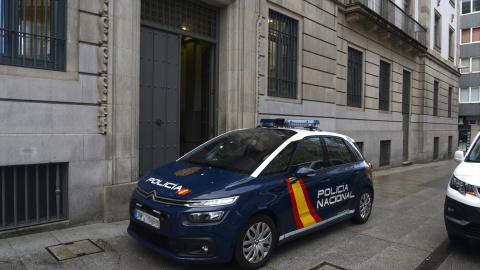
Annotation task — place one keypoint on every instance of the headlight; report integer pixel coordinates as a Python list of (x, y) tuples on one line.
[(461, 186), (205, 217), (214, 202)]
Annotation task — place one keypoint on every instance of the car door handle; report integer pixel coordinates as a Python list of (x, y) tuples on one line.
[(325, 181), (355, 173)]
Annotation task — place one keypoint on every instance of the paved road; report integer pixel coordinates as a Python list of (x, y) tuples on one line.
[(405, 231)]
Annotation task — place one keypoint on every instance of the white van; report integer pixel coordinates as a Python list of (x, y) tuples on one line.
[(462, 203)]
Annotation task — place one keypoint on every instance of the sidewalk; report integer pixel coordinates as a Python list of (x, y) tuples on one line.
[(405, 227)]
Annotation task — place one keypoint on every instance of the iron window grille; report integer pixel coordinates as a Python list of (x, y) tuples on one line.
[(32, 33), (435, 148), (449, 102), (435, 98), (354, 78), (384, 86), (33, 194), (282, 55), (450, 144), (384, 153), (181, 15)]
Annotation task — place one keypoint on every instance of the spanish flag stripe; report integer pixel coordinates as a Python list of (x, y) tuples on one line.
[(301, 199), (294, 206), (309, 203)]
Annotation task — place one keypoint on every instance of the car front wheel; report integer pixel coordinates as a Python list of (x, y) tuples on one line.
[(256, 242), (363, 208)]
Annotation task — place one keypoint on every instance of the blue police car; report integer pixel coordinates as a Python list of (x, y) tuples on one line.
[(243, 193)]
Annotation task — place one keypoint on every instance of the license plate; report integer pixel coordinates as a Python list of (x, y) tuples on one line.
[(147, 218)]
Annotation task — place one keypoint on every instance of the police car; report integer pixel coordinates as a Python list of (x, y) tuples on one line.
[(462, 202), (243, 193)]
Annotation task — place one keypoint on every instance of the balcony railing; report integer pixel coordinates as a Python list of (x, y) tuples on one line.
[(396, 16)]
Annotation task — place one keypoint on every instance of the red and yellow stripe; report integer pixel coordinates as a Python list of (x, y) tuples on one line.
[(303, 210), (183, 191)]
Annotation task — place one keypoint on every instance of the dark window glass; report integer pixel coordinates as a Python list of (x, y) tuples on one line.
[(310, 154), (280, 163), (466, 6), (32, 33), (435, 98), (354, 78), (240, 151), (338, 152), (474, 155), (282, 55), (384, 87)]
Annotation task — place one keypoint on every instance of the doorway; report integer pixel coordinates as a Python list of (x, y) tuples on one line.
[(197, 113), (177, 96)]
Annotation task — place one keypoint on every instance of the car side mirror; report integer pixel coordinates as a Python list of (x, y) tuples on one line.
[(459, 156), (304, 172)]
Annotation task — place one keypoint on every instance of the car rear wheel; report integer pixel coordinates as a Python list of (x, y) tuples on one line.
[(256, 242), (363, 208)]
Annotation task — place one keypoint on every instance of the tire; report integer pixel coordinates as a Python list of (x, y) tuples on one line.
[(457, 240), (256, 242), (363, 208)]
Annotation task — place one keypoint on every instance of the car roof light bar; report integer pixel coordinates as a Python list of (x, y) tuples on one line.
[(286, 123)]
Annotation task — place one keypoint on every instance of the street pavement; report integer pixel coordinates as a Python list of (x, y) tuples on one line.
[(405, 231)]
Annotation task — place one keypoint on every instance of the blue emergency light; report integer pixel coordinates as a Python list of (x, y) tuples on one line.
[(286, 123)]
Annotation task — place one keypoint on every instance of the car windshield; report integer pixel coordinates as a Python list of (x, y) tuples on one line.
[(474, 155), (240, 151)]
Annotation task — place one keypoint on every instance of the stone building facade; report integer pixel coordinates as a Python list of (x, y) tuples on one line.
[(143, 82)]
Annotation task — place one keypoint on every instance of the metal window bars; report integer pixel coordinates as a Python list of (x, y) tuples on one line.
[(181, 15), (32, 33), (33, 194), (354, 78), (282, 55)]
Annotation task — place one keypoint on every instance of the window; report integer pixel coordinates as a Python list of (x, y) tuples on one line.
[(450, 144), (310, 154), (338, 152), (435, 148), (354, 78), (435, 98), (280, 163), (384, 153), (470, 94), (282, 55), (450, 102), (384, 86), (451, 43), (437, 31), (470, 35), (469, 6), (465, 63), (32, 33)]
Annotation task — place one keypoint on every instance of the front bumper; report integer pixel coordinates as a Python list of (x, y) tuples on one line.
[(462, 220), (187, 243)]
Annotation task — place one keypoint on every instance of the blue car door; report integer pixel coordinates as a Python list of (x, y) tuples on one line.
[(343, 173)]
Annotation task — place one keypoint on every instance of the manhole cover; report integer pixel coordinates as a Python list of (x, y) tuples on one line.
[(73, 249)]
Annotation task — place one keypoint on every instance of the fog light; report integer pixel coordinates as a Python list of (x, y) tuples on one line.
[(205, 217), (205, 249), (449, 209)]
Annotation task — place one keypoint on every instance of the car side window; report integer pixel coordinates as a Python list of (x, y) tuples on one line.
[(338, 152), (281, 161), (310, 154)]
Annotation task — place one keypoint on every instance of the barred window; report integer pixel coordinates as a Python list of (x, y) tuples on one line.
[(384, 153), (282, 55), (354, 78), (384, 91), (32, 33), (450, 102), (435, 98)]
